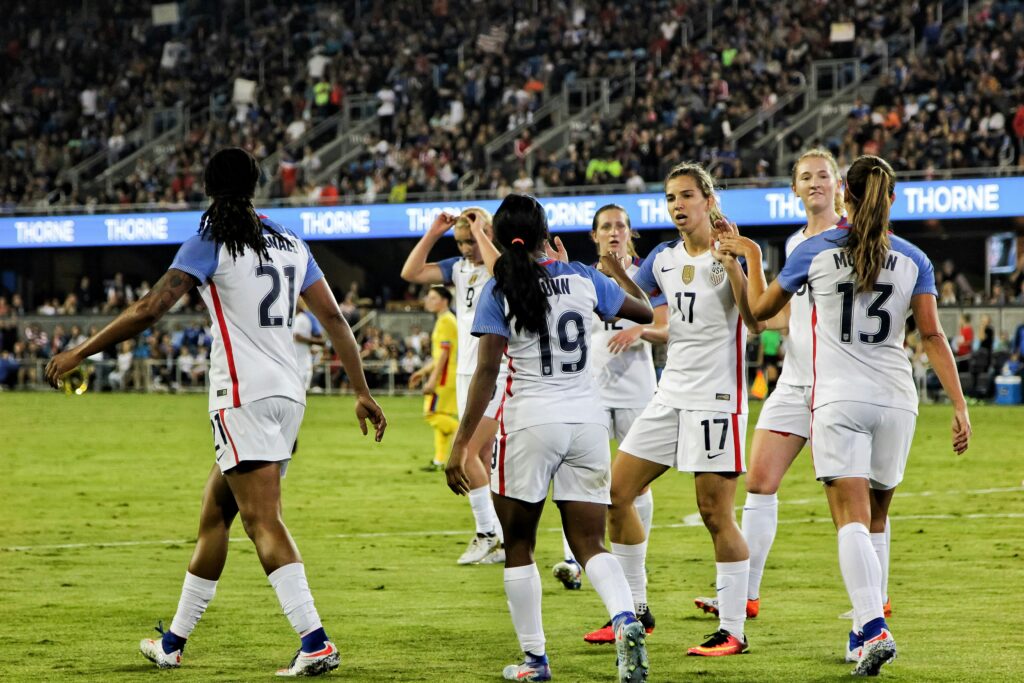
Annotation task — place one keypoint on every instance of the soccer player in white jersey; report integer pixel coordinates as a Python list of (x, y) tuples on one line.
[(306, 335), (551, 423), (468, 274), (784, 424), (623, 366), (250, 272), (863, 282), (696, 421)]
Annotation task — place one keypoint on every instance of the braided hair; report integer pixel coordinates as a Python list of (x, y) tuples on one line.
[(521, 227), (230, 177)]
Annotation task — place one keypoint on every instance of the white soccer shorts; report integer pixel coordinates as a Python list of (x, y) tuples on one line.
[(462, 383), (854, 439), (620, 420), (787, 410), (574, 459), (689, 440), (261, 431)]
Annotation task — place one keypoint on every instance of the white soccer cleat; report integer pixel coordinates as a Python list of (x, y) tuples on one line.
[(569, 573), (153, 650), (631, 652), (313, 663), (877, 651), (480, 548)]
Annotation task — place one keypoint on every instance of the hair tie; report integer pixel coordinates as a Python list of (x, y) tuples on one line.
[(518, 240)]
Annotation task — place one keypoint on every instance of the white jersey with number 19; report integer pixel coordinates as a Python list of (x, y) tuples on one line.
[(549, 378), (857, 337), (252, 304)]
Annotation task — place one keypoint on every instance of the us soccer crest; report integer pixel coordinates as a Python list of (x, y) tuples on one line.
[(717, 274), (688, 274)]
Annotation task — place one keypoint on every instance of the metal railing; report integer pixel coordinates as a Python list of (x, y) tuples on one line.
[(471, 194)]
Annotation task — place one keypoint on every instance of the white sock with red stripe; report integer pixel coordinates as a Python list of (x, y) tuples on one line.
[(760, 522), (483, 510), (523, 591), (196, 594), (861, 572), (606, 575), (296, 600), (644, 504), (731, 587), (632, 559)]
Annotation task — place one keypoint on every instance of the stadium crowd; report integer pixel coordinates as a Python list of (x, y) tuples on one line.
[(955, 100)]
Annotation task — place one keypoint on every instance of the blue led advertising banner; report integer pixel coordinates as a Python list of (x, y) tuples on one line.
[(967, 198)]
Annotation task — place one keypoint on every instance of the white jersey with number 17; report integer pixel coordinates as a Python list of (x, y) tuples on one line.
[(253, 308), (706, 364)]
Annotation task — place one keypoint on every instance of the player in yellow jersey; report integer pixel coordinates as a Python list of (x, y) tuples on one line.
[(439, 400)]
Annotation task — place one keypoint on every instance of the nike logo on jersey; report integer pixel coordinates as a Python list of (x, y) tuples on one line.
[(665, 270), (712, 457)]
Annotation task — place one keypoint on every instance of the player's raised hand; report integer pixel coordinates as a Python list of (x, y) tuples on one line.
[(60, 365), (624, 339), (722, 226), (737, 246), (442, 224), (455, 471), (367, 409), (612, 264), (961, 430), (557, 251)]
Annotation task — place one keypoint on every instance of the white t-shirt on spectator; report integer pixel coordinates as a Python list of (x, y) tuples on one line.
[(387, 99), (316, 65)]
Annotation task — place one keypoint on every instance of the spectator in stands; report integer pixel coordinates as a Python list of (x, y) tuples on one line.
[(965, 337)]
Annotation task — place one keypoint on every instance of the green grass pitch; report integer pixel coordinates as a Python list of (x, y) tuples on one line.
[(99, 499)]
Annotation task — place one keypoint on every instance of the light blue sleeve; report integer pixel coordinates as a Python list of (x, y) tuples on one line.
[(798, 265), (609, 295), (646, 279), (490, 314), (313, 272), (197, 257), (447, 267), (925, 283)]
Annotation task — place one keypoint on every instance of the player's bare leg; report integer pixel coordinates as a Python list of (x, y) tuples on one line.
[(218, 512)]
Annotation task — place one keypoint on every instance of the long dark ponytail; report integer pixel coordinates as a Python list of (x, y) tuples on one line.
[(870, 184), (230, 177), (521, 228)]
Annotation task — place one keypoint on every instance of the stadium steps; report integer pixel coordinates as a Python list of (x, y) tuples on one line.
[(351, 139), (830, 104)]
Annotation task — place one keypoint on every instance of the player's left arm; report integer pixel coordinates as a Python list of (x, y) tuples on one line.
[(488, 251), (738, 283), (140, 316), (481, 388)]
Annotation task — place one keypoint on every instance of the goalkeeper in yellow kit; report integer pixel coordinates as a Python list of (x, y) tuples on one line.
[(439, 402)]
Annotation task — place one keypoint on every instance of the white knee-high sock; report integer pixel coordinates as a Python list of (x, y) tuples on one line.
[(296, 600), (605, 573), (644, 504), (760, 521), (861, 573), (632, 559), (483, 510), (196, 594), (884, 560), (731, 585), (523, 592), (569, 557)]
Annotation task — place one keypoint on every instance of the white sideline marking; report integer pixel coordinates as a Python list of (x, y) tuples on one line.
[(692, 520)]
